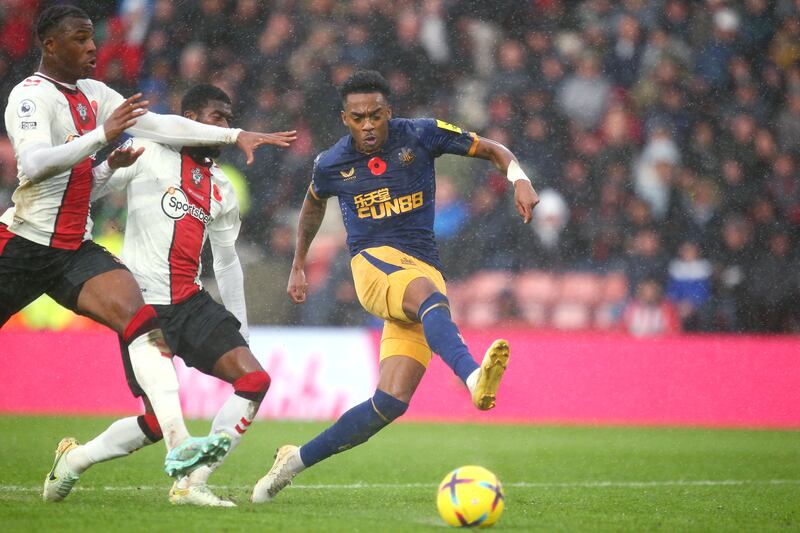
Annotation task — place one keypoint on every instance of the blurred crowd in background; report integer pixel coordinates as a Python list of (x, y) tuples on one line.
[(663, 138)]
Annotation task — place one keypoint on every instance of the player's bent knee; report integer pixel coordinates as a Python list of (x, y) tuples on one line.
[(143, 321), (387, 406), (113, 297), (434, 301), (417, 292), (252, 386), (149, 425)]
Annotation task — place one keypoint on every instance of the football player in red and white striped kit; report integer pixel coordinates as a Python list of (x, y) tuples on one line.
[(57, 119), (176, 199)]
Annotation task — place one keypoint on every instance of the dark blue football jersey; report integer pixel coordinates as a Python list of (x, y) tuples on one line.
[(387, 197)]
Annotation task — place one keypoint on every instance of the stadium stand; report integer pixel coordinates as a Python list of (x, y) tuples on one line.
[(647, 123)]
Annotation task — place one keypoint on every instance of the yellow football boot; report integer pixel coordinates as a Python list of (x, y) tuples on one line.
[(491, 372)]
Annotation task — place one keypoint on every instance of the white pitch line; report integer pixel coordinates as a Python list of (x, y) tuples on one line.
[(522, 484)]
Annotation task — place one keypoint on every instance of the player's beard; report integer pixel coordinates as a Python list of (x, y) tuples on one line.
[(201, 152)]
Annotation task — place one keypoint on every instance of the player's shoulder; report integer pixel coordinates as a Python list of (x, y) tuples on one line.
[(91, 85), (333, 155), (31, 87), (418, 127), (404, 125), (30, 98)]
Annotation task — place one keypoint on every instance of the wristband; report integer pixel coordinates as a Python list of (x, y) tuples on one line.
[(515, 173), (232, 135)]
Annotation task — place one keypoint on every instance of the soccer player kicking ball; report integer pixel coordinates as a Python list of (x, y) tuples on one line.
[(57, 119), (177, 197), (383, 174)]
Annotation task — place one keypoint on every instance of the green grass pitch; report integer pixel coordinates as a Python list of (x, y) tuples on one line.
[(555, 478)]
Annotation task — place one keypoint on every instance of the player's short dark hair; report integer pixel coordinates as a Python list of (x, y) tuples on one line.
[(365, 81), (197, 97), (51, 17)]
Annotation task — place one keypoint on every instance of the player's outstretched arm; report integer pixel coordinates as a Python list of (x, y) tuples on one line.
[(174, 130), (311, 216), (125, 116), (525, 196), (248, 141)]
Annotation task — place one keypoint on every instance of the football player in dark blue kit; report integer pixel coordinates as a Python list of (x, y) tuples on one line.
[(383, 176)]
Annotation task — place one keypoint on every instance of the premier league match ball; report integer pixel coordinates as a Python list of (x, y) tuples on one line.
[(470, 496)]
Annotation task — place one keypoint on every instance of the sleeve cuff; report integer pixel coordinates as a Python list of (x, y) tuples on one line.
[(474, 147), (311, 191)]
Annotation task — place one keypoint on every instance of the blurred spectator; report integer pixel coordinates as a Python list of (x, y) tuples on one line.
[(539, 148), (624, 56), (689, 287), (698, 213), (267, 301), (655, 121), (702, 154), (487, 237), (510, 78), (336, 302), (451, 210), (648, 314), (713, 55), (584, 95), (774, 290), (732, 262), (645, 258), (784, 185), (546, 240), (788, 123), (655, 172)]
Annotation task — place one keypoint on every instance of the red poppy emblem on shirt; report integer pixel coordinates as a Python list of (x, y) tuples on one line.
[(216, 193), (377, 166)]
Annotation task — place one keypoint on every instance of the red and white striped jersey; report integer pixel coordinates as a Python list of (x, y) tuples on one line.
[(174, 203), (55, 211)]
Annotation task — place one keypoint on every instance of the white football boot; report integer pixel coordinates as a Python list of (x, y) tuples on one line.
[(287, 465), (199, 495), (59, 481)]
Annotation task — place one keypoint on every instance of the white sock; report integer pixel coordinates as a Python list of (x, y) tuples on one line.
[(233, 418), (123, 437), (472, 379), (295, 463), (156, 376)]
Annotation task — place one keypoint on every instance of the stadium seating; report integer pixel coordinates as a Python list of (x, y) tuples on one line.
[(546, 300)]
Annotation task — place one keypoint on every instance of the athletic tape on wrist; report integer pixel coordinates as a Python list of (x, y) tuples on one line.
[(515, 173)]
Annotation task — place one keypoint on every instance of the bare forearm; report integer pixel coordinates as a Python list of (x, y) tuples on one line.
[(311, 216), (495, 152)]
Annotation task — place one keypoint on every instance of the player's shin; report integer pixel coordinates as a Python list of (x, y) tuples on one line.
[(235, 417), (151, 361), (443, 336), (122, 438), (354, 427)]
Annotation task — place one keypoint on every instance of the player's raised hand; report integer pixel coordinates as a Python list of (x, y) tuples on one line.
[(525, 198), (248, 141), (297, 287), (124, 156), (125, 116)]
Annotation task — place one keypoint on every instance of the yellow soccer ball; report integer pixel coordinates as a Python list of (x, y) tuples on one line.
[(470, 496)]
